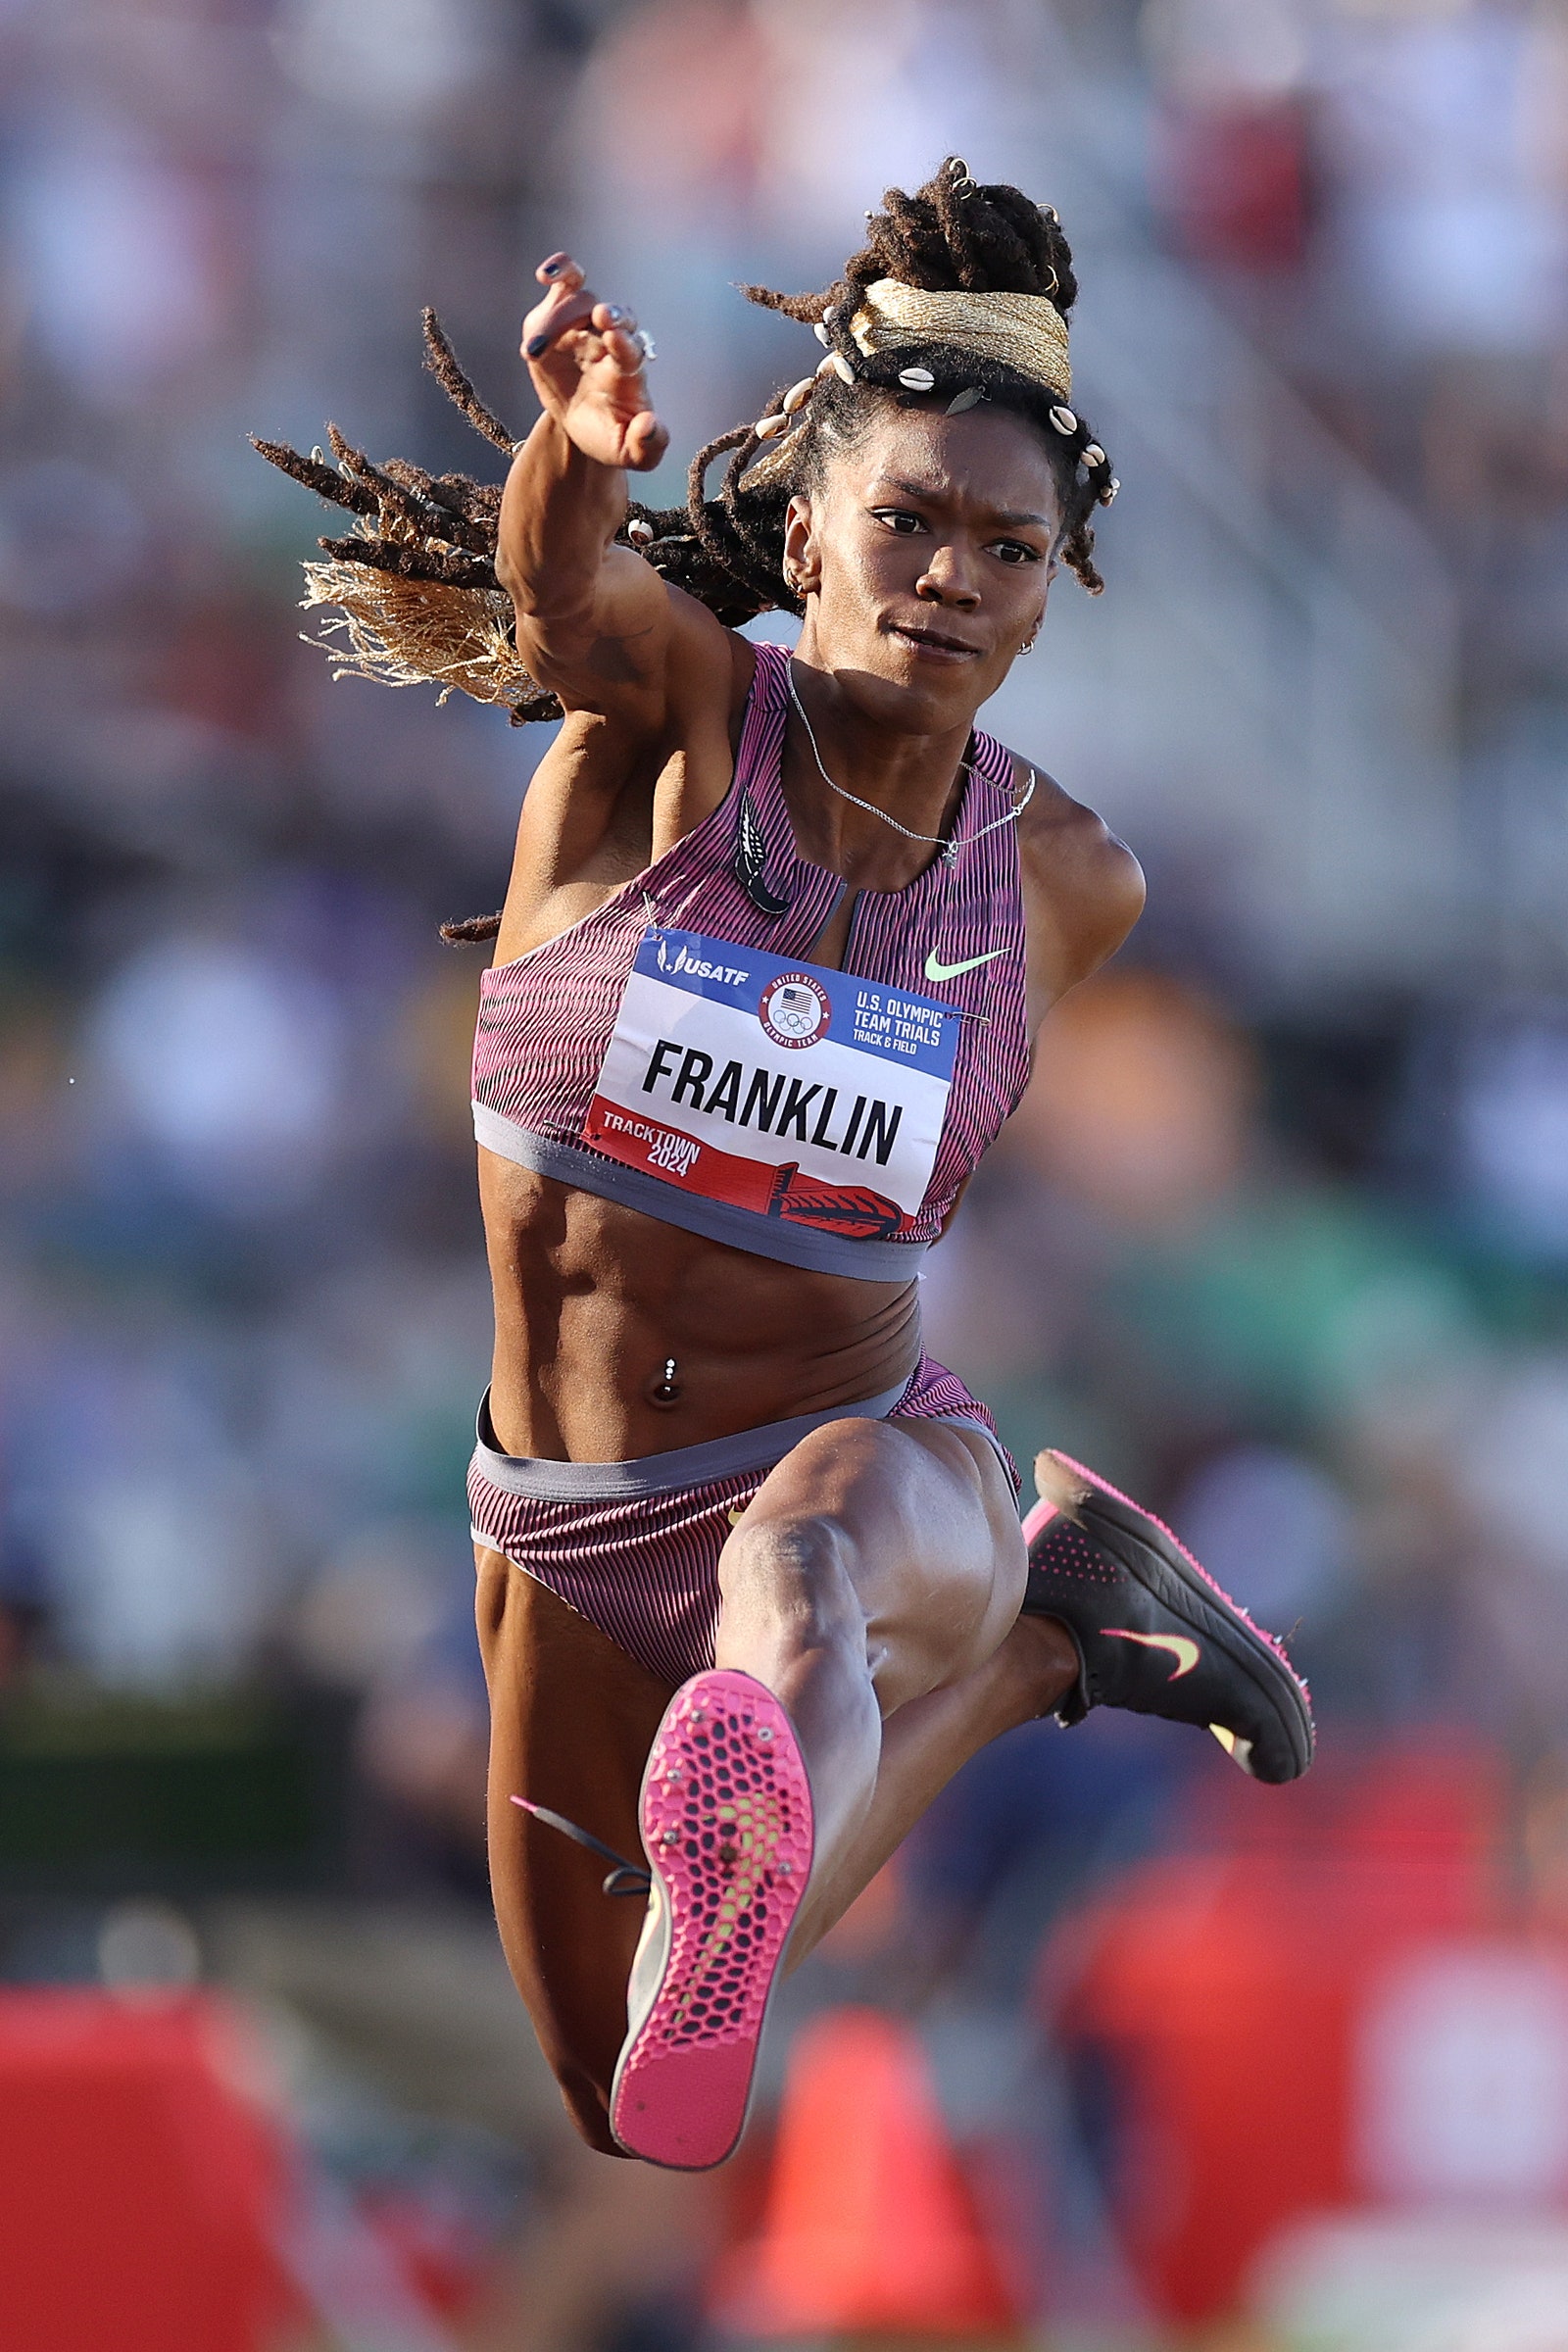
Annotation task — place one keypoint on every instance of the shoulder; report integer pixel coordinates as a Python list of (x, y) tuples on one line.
[(1083, 888)]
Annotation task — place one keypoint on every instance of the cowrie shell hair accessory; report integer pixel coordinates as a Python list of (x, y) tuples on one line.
[(841, 367), (766, 427), (1092, 453), (1064, 420), (1110, 491), (641, 531), (821, 333), (798, 395), (917, 380)]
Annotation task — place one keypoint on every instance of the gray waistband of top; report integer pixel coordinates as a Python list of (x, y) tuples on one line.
[(802, 1246), (738, 1456)]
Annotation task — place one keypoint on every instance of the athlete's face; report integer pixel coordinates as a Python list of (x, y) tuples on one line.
[(924, 559)]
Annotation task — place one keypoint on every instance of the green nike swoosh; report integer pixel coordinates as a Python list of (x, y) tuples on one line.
[(950, 971)]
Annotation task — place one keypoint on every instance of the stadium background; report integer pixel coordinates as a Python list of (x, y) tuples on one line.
[(1279, 1240)]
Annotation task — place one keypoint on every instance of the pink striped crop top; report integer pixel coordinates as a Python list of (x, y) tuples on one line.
[(676, 1051)]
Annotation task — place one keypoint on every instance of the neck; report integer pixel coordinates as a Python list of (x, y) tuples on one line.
[(918, 779)]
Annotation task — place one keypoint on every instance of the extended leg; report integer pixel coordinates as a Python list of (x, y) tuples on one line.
[(572, 1720)]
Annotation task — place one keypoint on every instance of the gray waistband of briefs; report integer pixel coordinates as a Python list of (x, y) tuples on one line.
[(792, 1244), (658, 1473)]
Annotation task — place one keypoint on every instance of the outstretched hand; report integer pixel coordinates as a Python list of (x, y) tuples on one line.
[(587, 362)]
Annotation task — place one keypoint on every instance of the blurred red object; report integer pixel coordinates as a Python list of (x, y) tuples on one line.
[(1232, 182), (140, 2185), (1214, 2007), (868, 2226)]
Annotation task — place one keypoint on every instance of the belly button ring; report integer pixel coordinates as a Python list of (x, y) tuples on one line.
[(668, 1389)]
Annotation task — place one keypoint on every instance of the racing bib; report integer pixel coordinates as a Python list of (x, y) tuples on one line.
[(783, 1088)]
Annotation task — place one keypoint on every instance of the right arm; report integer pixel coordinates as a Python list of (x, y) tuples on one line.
[(651, 682), (594, 623)]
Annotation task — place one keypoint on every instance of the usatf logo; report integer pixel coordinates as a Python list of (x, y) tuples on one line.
[(700, 969), (795, 1011)]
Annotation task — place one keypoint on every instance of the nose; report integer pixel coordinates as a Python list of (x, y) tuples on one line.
[(945, 581)]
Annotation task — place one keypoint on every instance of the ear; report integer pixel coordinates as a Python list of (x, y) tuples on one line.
[(802, 568)]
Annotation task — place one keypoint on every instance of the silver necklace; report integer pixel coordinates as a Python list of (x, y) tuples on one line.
[(947, 846)]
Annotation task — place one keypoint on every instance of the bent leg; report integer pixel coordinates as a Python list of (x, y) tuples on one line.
[(573, 1719), (878, 1574)]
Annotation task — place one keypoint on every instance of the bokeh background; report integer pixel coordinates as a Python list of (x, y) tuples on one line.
[(1279, 1239)]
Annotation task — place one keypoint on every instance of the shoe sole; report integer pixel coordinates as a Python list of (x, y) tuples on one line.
[(726, 1822), (1169, 1571)]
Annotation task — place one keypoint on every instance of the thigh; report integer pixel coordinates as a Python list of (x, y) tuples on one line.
[(919, 1520), (572, 1720)]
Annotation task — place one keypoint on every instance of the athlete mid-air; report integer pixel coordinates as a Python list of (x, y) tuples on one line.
[(779, 931)]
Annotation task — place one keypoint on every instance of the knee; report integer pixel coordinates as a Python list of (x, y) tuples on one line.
[(792, 1576)]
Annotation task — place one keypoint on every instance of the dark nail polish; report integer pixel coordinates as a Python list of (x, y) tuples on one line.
[(550, 269), (536, 344)]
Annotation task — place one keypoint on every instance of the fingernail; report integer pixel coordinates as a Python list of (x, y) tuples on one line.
[(535, 345), (550, 269)]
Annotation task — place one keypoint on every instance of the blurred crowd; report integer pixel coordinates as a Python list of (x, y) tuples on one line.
[(1279, 1242)]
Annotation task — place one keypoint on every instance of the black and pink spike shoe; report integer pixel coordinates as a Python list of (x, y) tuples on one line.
[(727, 1826), (1153, 1630)]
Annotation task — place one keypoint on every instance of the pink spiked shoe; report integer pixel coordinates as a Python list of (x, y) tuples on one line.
[(726, 1822)]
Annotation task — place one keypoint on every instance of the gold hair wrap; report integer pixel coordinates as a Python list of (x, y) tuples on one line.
[(1023, 331)]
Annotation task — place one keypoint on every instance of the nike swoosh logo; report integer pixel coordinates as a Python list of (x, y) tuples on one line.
[(1186, 1654), (950, 971)]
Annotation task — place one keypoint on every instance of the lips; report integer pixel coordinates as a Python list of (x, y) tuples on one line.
[(933, 641)]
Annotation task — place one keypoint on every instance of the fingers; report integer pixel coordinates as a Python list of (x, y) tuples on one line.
[(570, 304), (646, 442), (618, 330)]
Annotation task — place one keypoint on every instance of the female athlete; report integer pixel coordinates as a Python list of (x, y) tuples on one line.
[(778, 933)]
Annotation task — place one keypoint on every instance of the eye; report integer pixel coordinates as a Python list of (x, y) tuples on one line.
[(900, 519), (1014, 551)]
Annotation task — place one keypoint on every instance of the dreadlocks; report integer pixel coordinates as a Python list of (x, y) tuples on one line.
[(414, 583)]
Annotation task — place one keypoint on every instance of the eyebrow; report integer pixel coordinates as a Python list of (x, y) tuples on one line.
[(998, 515)]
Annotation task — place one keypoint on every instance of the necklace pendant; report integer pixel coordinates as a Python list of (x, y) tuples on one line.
[(950, 851)]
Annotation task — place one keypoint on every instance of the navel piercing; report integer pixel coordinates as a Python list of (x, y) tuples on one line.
[(668, 1388)]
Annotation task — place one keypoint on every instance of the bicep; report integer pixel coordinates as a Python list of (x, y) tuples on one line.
[(607, 654)]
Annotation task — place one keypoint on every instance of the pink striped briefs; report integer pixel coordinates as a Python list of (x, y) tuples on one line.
[(634, 1547)]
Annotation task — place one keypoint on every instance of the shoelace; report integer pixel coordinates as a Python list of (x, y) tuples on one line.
[(627, 1878)]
